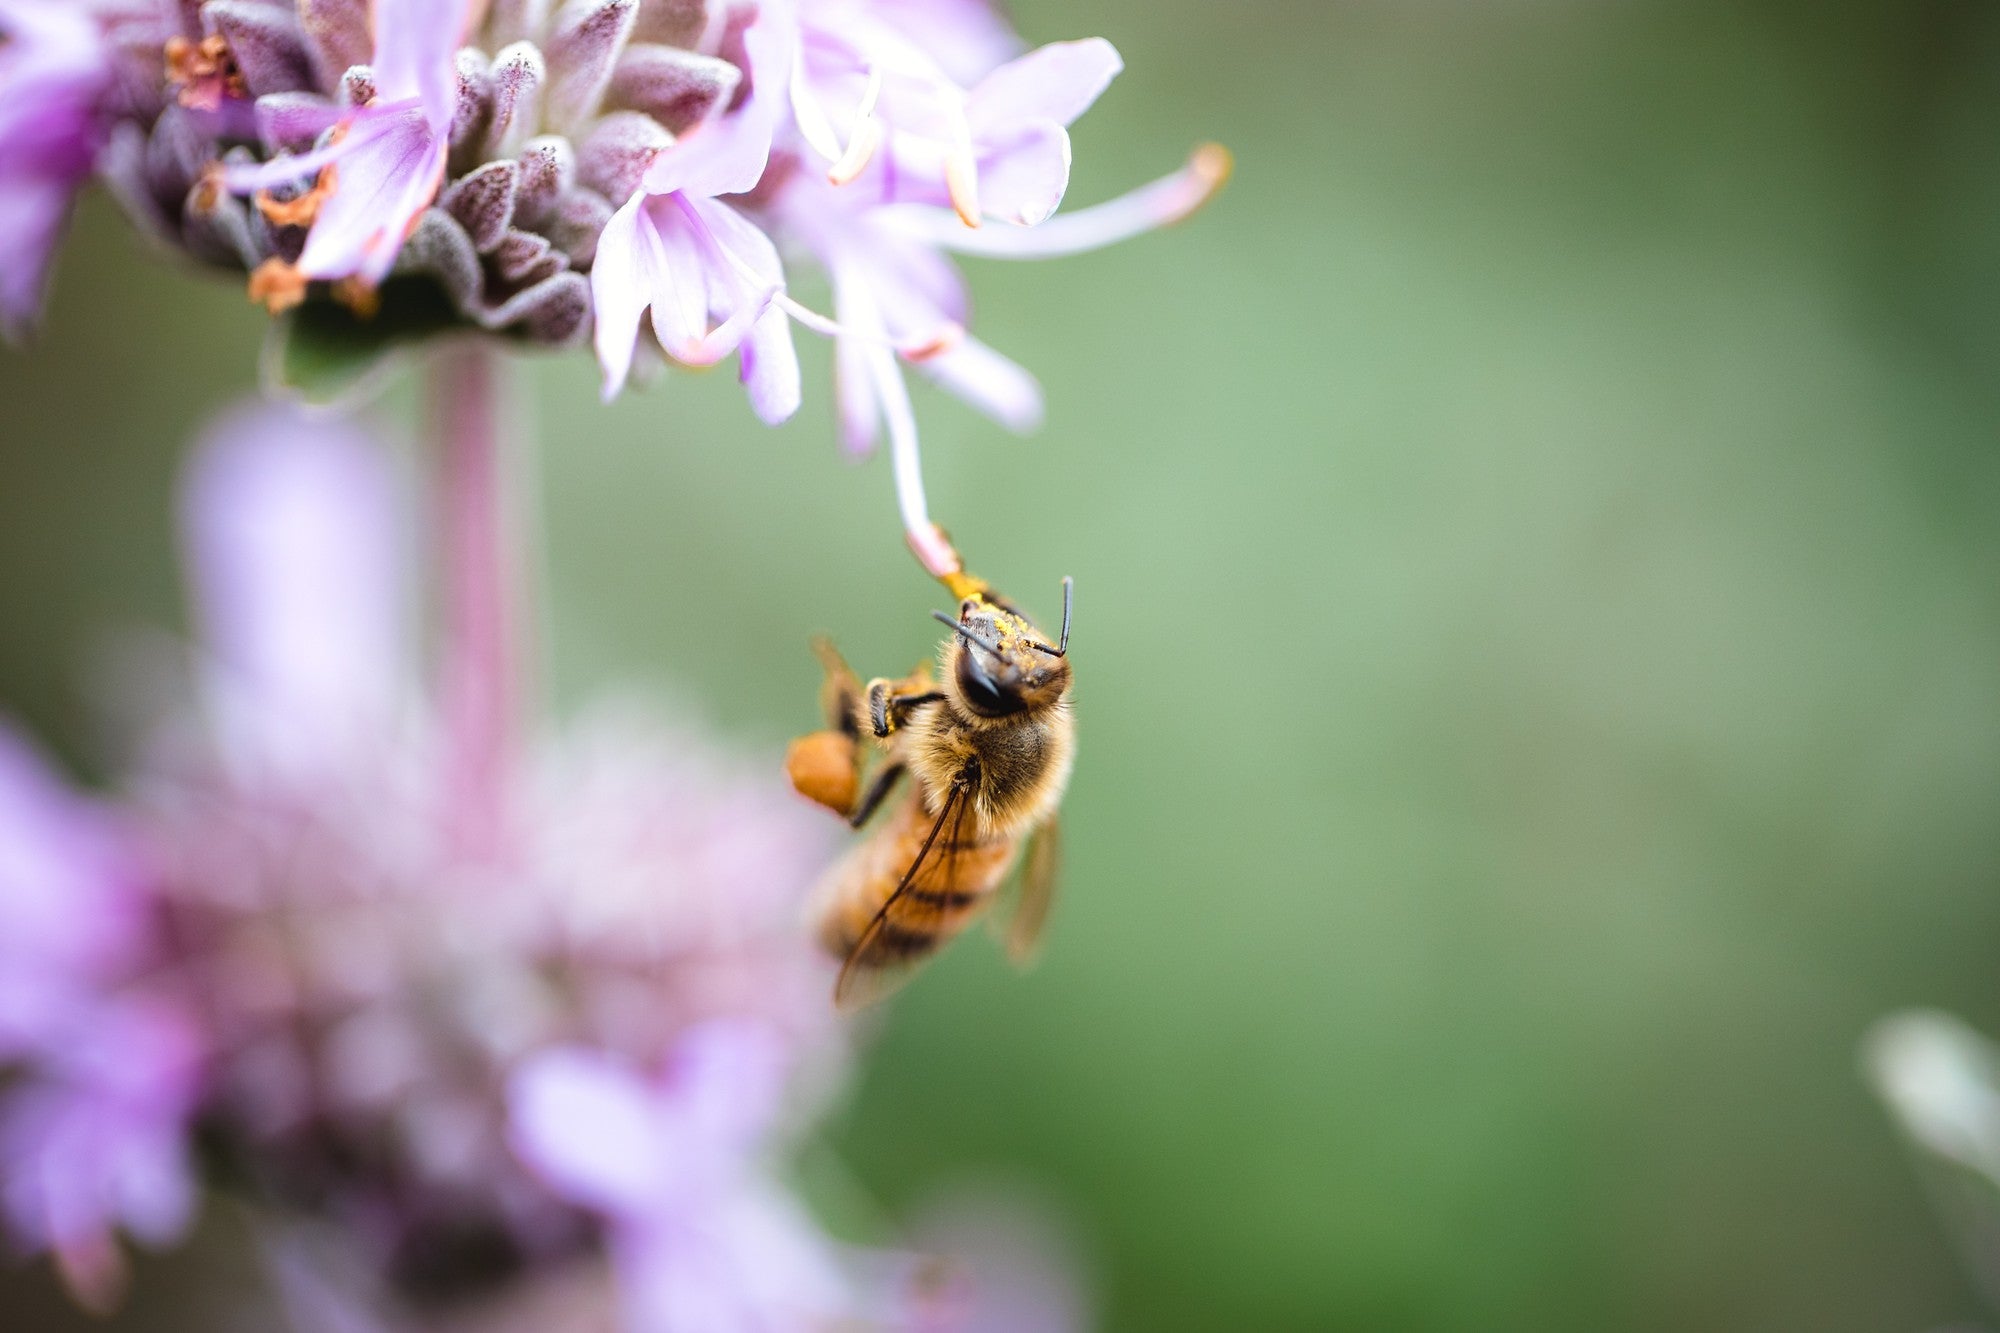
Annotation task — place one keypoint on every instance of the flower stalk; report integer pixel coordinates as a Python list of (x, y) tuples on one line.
[(480, 567)]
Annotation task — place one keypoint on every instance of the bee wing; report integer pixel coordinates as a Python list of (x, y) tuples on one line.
[(1020, 928), (885, 956)]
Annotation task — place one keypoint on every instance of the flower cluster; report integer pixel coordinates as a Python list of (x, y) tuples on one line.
[(582, 1039), (563, 171)]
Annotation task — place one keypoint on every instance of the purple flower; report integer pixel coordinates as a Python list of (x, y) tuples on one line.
[(92, 1138), (888, 115), (96, 1139), (281, 935), (708, 275), (893, 288), (703, 1240), (593, 166), (381, 165), (54, 69), (71, 886)]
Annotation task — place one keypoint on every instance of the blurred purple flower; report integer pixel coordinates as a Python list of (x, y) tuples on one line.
[(702, 1239), (54, 69), (999, 1260), (94, 1139), (71, 899), (292, 948)]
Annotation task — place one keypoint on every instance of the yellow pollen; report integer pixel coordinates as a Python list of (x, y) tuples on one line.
[(947, 337), (301, 211), (278, 284), (1212, 165), (204, 72), (860, 150), (961, 181), (208, 190)]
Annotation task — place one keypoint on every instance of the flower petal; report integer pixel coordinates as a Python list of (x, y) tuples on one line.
[(414, 44), (770, 368), (727, 154), (592, 1128), (990, 382), (381, 188), (967, 38), (1056, 82), (620, 289), (290, 532), (32, 219), (69, 898), (1024, 182), (1166, 200), (678, 279)]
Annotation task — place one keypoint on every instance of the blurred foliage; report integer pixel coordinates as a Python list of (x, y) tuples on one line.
[(1537, 629)]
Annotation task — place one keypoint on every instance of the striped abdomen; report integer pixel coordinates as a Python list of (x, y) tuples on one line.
[(955, 885)]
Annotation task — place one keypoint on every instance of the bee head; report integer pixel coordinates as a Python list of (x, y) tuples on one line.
[(998, 664)]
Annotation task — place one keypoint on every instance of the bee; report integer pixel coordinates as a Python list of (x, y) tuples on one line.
[(986, 746)]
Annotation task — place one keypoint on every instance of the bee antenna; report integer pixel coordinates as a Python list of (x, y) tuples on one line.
[(1069, 585), (990, 645)]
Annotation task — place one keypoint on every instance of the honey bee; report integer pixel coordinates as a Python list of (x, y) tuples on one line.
[(987, 747)]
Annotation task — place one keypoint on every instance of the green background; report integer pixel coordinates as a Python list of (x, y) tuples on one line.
[(1538, 642)]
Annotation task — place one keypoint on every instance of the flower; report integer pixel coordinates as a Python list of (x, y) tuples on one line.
[(676, 248), (54, 69), (562, 172), (894, 288), (702, 1238), (96, 1139), (913, 133), (381, 162), (278, 940)]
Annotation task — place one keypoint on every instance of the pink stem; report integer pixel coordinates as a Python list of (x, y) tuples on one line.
[(481, 682)]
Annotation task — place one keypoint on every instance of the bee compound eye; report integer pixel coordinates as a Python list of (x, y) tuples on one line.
[(982, 693)]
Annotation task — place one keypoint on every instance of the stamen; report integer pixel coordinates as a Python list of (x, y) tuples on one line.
[(961, 170), (942, 339), (278, 284), (925, 538), (949, 335), (1164, 202), (867, 135), (301, 211), (204, 72), (939, 341), (810, 116), (860, 151), (358, 295)]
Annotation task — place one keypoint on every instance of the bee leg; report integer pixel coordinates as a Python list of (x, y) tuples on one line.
[(825, 766), (887, 709), (878, 791), (840, 692)]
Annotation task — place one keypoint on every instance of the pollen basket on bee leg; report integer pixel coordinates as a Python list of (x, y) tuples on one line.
[(822, 768)]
